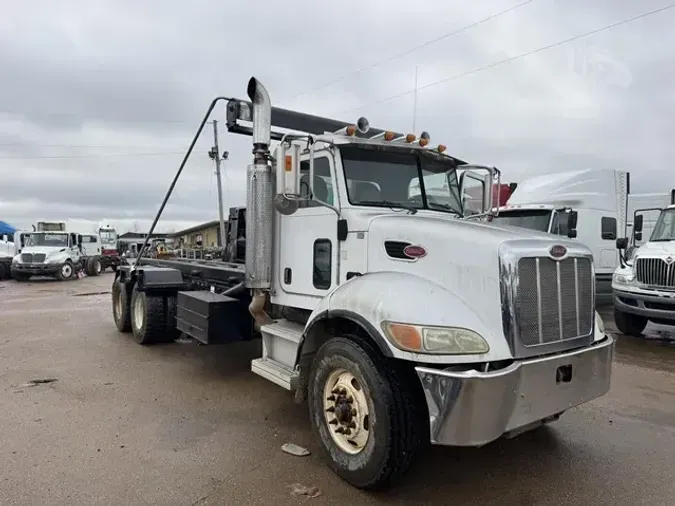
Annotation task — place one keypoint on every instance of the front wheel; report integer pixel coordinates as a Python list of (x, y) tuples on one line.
[(629, 324), (365, 411), (65, 272)]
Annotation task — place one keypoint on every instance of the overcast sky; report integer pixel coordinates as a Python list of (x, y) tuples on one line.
[(99, 99)]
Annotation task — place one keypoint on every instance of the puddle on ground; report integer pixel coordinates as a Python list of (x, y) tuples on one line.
[(654, 350)]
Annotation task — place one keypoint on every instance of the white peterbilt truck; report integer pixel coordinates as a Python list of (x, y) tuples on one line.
[(644, 284), (398, 319)]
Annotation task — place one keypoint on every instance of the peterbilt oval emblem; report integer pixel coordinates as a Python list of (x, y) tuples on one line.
[(414, 251), (557, 251)]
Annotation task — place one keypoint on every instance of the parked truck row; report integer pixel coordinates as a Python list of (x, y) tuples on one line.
[(398, 316), (51, 250)]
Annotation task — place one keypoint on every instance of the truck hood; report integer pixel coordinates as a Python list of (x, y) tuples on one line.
[(461, 255), (656, 249), (43, 249)]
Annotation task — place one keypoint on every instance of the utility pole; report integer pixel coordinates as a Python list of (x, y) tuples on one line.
[(214, 154)]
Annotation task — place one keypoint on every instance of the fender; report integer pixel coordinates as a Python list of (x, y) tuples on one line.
[(372, 299)]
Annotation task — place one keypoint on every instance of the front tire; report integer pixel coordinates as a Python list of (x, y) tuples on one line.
[(629, 324), (65, 272), (365, 411), (21, 276)]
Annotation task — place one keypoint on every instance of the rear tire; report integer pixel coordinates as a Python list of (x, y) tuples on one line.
[(148, 318), (629, 324), (93, 266), (385, 416), (121, 306)]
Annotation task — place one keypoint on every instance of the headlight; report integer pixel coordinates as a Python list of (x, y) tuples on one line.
[(436, 340), (623, 279), (599, 322)]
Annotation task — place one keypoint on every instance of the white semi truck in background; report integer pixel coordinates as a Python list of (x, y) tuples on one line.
[(589, 206), (53, 251), (398, 318), (644, 284)]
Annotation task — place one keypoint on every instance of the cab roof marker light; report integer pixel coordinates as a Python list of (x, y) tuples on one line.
[(362, 126), (441, 148)]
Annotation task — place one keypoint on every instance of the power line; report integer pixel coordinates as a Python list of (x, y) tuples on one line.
[(77, 146), (512, 58), (412, 49), (102, 155)]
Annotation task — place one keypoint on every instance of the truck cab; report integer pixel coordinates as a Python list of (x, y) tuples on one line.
[(644, 283), (589, 206), (48, 253)]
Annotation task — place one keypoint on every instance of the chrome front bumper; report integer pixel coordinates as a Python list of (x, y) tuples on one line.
[(471, 408)]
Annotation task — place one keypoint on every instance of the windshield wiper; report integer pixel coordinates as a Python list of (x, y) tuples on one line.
[(447, 207), (388, 203)]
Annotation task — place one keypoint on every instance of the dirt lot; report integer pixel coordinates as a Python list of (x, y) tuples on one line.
[(178, 424)]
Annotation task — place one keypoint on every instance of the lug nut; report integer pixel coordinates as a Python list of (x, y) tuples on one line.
[(331, 409), (347, 432), (335, 391), (339, 430), (351, 425), (350, 399), (331, 398), (333, 421)]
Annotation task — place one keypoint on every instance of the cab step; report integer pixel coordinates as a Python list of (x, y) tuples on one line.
[(280, 343)]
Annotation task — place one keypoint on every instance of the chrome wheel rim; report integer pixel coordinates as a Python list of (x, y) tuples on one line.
[(66, 271)]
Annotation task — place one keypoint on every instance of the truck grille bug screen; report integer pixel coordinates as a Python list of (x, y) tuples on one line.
[(554, 300), (655, 272)]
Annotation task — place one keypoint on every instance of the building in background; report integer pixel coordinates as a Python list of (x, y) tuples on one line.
[(205, 235)]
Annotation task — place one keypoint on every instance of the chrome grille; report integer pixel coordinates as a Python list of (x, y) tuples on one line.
[(655, 272), (27, 257), (554, 300), (39, 257)]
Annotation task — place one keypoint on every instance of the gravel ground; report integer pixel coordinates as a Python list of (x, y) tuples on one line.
[(121, 424)]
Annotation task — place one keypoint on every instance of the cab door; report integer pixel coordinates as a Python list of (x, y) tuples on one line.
[(307, 239)]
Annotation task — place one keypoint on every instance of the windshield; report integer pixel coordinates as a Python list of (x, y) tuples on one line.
[(108, 236), (533, 219), (55, 240), (664, 230), (394, 179)]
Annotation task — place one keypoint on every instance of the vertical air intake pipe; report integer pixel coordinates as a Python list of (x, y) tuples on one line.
[(259, 204)]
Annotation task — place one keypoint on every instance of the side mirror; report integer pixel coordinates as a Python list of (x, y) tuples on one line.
[(79, 240), (638, 236), (287, 167), (572, 224), (5, 238), (637, 225), (622, 243)]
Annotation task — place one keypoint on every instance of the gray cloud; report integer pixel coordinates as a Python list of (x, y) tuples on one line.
[(88, 85)]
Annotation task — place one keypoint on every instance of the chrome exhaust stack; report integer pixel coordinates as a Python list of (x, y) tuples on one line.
[(259, 205)]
